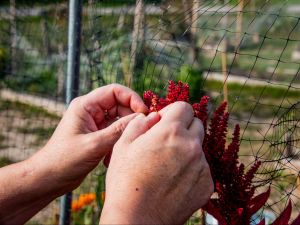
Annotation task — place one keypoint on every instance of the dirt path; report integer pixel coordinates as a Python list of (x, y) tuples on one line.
[(45, 103)]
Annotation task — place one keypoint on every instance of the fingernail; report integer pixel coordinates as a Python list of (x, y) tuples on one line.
[(140, 115)]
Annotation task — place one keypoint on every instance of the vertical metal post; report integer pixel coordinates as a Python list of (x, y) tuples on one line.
[(74, 36)]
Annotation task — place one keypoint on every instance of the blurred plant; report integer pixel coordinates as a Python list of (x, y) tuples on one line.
[(234, 190), (195, 80), (3, 62), (84, 209), (100, 191), (42, 82), (84, 200)]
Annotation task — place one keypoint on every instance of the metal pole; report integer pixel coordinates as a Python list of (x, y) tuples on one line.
[(74, 35)]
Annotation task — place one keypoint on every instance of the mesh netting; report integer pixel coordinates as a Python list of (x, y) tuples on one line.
[(245, 52)]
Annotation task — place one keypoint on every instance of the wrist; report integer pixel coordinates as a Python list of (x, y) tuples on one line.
[(129, 212), (26, 187), (48, 175)]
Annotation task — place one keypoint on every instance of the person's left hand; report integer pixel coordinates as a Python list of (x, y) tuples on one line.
[(87, 132)]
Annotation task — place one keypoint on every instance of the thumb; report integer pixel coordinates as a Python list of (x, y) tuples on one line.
[(138, 126), (107, 137)]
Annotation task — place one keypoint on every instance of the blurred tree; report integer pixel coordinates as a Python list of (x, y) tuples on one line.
[(191, 14), (195, 51), (138, 36), (45, 30)]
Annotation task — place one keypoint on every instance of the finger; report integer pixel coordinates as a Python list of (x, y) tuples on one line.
[(106, 97), (178, 111), (120, 111), (107, 158), (103, 140), (140, 125), (116, 110), (197, 129), (136, 128)]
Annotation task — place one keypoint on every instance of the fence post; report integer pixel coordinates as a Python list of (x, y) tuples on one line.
[(72, 86)]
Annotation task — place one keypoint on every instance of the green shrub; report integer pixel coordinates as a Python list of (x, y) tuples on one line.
[(43, 83), (3, 62), (195, 80)]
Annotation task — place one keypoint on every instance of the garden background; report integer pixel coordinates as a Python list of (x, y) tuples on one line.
[(246, 52)]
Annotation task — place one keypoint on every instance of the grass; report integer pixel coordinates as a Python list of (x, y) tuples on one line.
[(270, 92), (263, 101), (247, 61)]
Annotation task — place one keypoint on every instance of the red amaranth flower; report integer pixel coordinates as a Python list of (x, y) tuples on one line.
[(236, 202), (200, 110)]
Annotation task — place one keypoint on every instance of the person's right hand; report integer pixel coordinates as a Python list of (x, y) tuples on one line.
[(158, 172)]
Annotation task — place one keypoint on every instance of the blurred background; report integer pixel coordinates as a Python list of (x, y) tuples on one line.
[(246, 52)]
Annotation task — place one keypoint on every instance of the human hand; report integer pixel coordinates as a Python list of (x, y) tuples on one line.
[(87, 132), (158, 172)]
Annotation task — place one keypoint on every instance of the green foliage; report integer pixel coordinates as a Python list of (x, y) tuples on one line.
[(195, 80), (148, 77), (100, 190), (243, 99), (42, 83), (84, 216), (154, 77), (3, 62), (270, 92)]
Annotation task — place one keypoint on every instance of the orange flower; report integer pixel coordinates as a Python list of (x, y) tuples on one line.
[(83, 200), (75, 206), (91, 197)]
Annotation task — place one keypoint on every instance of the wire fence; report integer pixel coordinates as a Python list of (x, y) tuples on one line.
[(245, 52)]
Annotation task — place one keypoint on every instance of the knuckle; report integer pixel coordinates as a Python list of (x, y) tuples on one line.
[(195, 148), (119, 128), (116, 87), (195, 144), (75, 101), (175, 129), (113, 85), (183, 106)]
